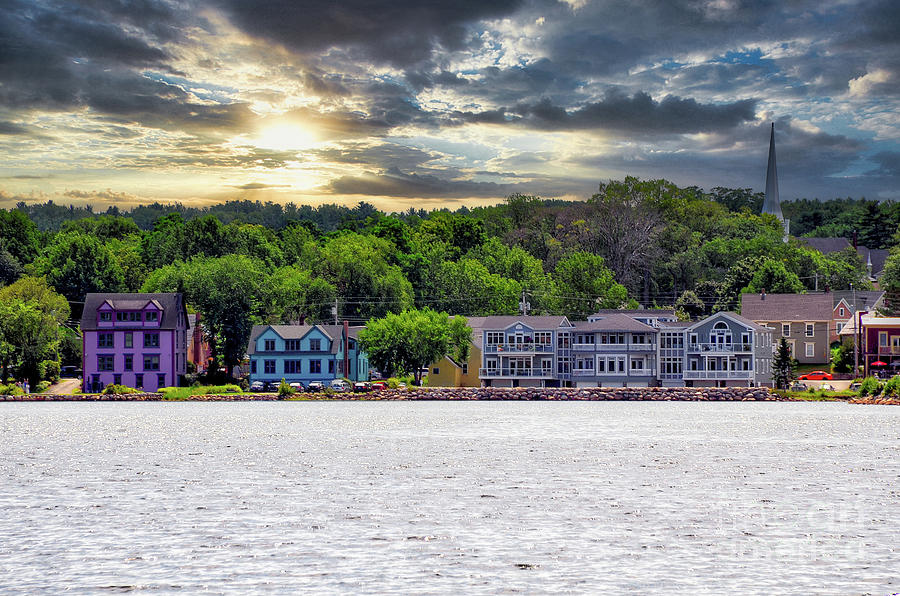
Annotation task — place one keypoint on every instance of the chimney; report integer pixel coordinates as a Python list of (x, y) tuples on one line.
[(762, 295)]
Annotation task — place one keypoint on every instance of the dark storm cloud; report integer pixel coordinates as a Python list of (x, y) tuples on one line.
[(639, 113), (11, 128), (888, 164), (394, 183), (396, 32), (260, 186), (383, 156)]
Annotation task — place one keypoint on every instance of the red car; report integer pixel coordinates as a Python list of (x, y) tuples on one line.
[(816, 375)]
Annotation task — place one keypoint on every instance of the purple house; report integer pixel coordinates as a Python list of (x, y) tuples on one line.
[(138, 340)]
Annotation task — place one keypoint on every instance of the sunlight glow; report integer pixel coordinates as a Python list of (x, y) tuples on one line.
[(284, 137)]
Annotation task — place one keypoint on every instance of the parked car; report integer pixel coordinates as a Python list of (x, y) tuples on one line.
[(315, 386), (296, 386), (361, 387), (816, 375), (71, 372), (797, 386), (339, 386), (272, 385), (257, 386), (378, 385), (855, 386)]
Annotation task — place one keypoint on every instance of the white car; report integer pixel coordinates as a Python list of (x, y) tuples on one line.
[(339, 386)]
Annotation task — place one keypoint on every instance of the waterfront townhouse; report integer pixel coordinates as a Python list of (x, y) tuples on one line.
[(447, 372), (727, 350), (306, 353), (525, 351), (616, 350), (805, 320), (138, 340)]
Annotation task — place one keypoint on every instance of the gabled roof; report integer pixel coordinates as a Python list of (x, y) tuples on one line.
[(634, 312), (170, 304), (542, 322), (734, 317), (865, 299), (827, 245), (787, 307), (332, 332), (617, 322)]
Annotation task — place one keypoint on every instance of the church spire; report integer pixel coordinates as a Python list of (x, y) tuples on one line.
[(772, 202)]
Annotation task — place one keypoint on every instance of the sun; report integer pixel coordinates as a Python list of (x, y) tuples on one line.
[(284, 137)]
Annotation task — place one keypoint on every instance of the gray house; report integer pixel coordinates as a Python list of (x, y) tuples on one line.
[(522, 351), (804, 320), (727, 350)]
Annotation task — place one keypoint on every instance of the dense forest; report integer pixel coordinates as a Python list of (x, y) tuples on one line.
[(239, 263)]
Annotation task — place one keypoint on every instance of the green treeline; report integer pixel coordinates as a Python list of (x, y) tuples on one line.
[(635, 241)]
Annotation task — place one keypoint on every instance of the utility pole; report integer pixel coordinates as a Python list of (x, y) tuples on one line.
[(524, 305), (855, 336), (334, 311)]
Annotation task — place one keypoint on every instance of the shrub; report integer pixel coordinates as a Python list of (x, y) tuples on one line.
[(50, 370), (11, 389), (870, 386), (284, 389), (892, 387), (42, 386), (114, 389)]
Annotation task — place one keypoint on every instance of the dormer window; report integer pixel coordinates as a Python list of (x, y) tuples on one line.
[(128, 317), (151, 316), (106, 317)]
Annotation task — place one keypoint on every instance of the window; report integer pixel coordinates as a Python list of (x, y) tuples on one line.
[(269, 367), (117, 379), (435, 371), (292, 345), (882, 339), (106, 317), (253, 367), (585, 339), (601, 365), (270, 345), (315, 366), (293, 367), (331, 367), (692, 338), (151, 340), (104, 362), (315, 345), (465, 368), (810, 330), (151, 362), (129, 362), (842, 312), (128, 317), (639, 338), (745, 338), (104, 340), (810, 349), (151, 317), (637, 364), (839, 327), (139, 381), (494, 337), (129, 340), (745, 364), (785, 329), (543, 337), (695, 364)]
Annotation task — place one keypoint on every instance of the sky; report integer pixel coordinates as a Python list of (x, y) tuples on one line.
[(430, 104)]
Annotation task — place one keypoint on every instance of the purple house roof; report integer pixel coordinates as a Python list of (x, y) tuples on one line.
[(170, 304)]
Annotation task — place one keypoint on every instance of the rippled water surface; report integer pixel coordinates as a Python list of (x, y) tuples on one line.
[(441, 497)]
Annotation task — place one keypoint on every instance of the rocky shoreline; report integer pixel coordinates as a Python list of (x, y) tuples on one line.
[(876, 401), (462, 394)]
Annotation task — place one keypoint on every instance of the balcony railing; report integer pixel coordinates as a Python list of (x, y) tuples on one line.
[(519, 348), (647, 347), (515, 372), (718, 374), (734, 347), (649, 372), (889, 350)]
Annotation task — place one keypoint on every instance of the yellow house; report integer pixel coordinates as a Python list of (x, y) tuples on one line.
[(448, 373)]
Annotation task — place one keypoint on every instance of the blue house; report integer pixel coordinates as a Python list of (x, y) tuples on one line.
[(305, 353)]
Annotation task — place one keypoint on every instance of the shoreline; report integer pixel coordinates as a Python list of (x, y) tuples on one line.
[(455, 394)]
